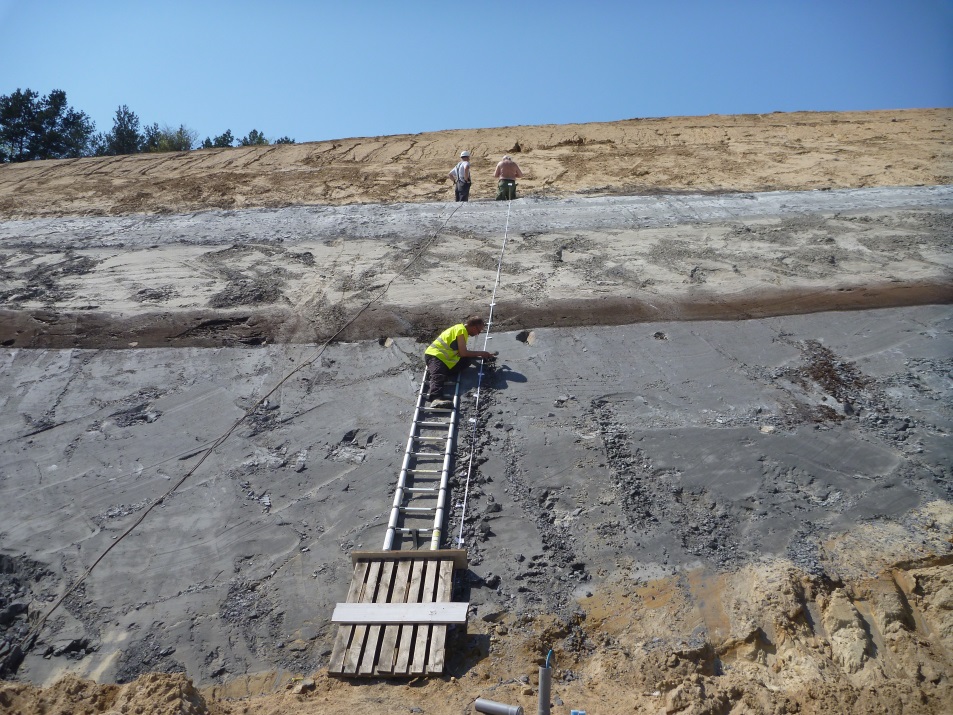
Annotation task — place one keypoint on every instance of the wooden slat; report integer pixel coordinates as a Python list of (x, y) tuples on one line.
[(368, 660), (385, 663), (438, 634), (459, 556), (343, 638), (353, 658), (408, 634), (382, 614), (396, 617), (419, 665)]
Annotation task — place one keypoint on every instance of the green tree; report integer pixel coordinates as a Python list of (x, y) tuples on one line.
[(219, 142), (284, 140), (34, 127), (61, 131), (124, 138), (151, 135), (17, 117), (254, 138), (167, 138), (99, 145)]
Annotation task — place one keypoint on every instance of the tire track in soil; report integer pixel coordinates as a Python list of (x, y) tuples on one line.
[(655, 502), (549, 592)]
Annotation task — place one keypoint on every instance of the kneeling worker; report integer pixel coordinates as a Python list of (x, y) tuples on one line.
[(448, 354), (507, 171)]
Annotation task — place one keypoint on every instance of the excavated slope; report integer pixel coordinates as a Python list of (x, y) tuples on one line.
[(702, 493)]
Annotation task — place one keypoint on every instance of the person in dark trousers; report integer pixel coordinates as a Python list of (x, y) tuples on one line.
[(461, 178), (448, 354), (507, 171)]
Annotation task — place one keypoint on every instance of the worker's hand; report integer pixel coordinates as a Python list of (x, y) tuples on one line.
[(490, 356)]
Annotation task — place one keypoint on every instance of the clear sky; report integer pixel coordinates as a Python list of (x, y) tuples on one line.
[(323, 70)]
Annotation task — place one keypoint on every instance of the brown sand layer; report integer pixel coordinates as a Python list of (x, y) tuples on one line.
[(94, 330), (755, 152)]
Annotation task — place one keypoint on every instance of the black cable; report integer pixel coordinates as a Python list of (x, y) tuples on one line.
[(27, 642)]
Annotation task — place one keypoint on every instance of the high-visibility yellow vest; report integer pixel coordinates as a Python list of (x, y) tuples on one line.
[(445, 346)]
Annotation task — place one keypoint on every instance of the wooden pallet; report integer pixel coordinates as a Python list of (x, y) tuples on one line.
[(406, 646)]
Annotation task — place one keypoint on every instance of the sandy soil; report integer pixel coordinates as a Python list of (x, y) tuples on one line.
[(302, 274), (713, 464), (764, 152)]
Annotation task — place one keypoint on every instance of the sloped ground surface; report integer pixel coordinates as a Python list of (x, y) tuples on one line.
[(303, 274), (731, 509), (704, 495), (764, 152)]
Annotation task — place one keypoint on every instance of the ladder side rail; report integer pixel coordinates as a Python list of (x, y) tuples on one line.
[(402, 479), (445, 472)]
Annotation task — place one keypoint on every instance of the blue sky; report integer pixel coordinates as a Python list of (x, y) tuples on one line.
[(323, 70)]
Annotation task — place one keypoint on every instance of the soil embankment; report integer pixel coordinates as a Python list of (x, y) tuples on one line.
[(800, 151), (712, 465), (304, 274)]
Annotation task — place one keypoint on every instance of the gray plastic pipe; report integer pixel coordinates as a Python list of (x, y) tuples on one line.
[(545, 686), (494, 708)]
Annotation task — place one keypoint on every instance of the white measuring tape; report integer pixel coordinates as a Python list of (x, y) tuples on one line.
[(476, 406)]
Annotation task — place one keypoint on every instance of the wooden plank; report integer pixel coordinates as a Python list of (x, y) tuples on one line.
[(343, 638), (408, 634), (385, 663), (353, 658), (459, 556), (419, 665), (438, 634), (398, 613), (369, 659)]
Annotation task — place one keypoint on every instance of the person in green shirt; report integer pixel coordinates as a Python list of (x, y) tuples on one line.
[(448, 354)]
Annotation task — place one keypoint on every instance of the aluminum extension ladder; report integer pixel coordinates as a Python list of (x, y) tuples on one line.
[(422, 485)]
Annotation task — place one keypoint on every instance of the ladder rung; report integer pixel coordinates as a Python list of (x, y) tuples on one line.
[(431, 439), (420, 489), (437, 409), (422, 423), (415, 509), (412, 531), (424, 471), (426, 454)]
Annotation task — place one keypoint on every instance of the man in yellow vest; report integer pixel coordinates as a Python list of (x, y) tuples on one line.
[(448, 354)]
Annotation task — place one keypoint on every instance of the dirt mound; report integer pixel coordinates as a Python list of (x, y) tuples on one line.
[(764, 639), (154, 693)]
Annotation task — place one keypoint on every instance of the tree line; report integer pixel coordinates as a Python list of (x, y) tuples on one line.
[(34, 127)]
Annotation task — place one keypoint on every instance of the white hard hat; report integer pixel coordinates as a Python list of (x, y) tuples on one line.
[(465, 154)]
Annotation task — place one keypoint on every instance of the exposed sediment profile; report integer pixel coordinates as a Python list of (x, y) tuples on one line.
[(711, 468)]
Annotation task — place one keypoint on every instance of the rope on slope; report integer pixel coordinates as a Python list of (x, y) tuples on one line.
[(35, 629), (486, 340)]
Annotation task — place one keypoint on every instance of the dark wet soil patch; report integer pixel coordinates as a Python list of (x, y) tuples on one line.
[(147, 655), (155, 295), (25, 586), (46, 282), (247, 291), (277, 323)]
